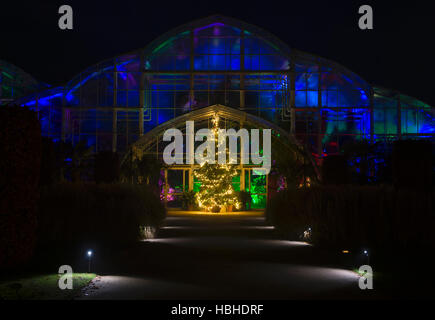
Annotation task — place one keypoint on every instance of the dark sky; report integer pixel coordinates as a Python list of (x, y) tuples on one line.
[(399, 53)]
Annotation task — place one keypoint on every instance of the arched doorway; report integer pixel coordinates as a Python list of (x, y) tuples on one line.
[(177, 179)]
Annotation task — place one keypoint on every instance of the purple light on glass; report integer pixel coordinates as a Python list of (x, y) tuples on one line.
[(209, 26)]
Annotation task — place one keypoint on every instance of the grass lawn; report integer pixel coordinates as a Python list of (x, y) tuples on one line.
[(43, 287)]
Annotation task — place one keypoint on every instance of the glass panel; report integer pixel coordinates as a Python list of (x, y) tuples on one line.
[(175, 181)]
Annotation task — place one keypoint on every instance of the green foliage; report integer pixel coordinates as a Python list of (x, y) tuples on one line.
[(20, 150), (360, 156), (356, 216), (335, 170), (43, 287), (79, 155), (63, 161), (49, 169), (78, 213)]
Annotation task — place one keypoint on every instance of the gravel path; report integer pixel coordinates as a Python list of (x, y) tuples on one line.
[(222, 259)]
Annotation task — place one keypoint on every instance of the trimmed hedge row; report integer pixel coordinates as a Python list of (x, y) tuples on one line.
[(20, 156), (357, 216), (78, 213)]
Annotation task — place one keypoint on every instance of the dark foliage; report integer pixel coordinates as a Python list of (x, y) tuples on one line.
[(143, 170), (20, 150), (357, 216), (107, 167), (412, 164), (244, 198), (335, 170), (73, 213), (49, 169)]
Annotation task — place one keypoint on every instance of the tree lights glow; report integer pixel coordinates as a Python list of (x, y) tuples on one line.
[(216, 179), (216, 140)]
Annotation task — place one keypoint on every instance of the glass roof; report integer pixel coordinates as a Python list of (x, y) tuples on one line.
[(15, 83)]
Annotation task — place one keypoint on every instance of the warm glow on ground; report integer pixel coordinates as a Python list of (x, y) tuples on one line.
[(254, 213)]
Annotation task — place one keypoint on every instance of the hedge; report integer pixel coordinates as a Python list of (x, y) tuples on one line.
[(357, 216), (20, 157), (71, 213)]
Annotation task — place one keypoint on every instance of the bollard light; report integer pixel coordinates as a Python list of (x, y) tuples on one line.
[(90, 257), (366, 253)]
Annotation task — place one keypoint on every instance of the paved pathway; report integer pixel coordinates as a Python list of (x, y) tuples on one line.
[(222, 258)]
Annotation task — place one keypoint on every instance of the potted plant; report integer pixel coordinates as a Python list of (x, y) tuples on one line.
[(188, 200), (245, 200)]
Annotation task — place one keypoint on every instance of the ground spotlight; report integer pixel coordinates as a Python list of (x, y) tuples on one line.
[(306, 236)]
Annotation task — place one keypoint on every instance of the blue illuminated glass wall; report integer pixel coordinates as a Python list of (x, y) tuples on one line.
[(223, 61)]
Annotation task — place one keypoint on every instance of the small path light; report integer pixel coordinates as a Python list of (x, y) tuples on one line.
[(90, 258), (366, 253), (307, 234)]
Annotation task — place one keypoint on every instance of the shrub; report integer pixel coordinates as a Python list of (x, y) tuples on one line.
[(244, 198), (188, 200), (412, 164), (80, 213), (107, 167), (49, 173), (334, 170), (20, 156), (357, 216)]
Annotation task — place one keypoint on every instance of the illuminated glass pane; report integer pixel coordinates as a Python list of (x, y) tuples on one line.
[(312, 98), (133, 98), (301, 99)]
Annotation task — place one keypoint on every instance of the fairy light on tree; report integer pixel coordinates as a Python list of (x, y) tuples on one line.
[(216, 180)]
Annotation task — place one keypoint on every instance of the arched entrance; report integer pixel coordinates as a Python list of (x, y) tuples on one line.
[(177, 179)]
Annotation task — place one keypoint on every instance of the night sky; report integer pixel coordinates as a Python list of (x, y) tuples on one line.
[(398, 54)]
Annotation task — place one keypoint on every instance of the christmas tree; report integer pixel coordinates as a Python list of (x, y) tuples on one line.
[(216, 181)]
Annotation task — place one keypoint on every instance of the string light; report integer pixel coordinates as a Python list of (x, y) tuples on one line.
[(214, 177)]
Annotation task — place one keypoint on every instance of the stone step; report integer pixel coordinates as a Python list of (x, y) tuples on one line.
[(206, 226), (215, 221), (251, 232)]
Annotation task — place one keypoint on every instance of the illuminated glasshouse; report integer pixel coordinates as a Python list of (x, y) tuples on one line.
[(15, 83), (222, 66)]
